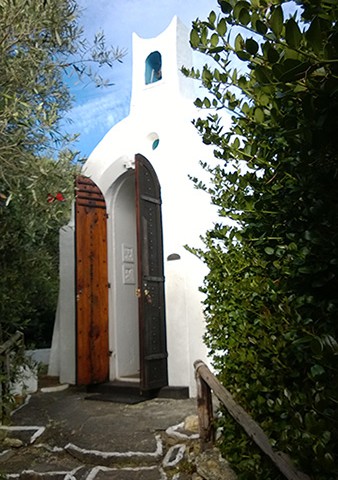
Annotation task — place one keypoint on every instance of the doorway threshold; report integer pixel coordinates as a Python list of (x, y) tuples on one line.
[(118, 391), (129, 378)]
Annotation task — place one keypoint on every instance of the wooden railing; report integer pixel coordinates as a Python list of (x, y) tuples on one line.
[(208, 383), (15, 342)]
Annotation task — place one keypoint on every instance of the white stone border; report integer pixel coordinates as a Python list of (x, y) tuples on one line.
[(56, 388), (66, 475), (27, 398), (157, 453), (166, 463), (92, 474), (173, 432), (179, 455), (49, 448), (38, 431)]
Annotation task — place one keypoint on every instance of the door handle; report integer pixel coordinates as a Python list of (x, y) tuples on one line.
[(147, 295)]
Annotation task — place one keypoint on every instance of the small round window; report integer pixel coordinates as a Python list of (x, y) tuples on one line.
[(154, 140), (155, 143), (153, 71)]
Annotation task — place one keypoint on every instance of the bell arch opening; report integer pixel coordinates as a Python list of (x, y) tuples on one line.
[(153, 68)]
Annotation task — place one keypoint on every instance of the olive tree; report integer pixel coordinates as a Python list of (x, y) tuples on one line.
[(41, 43)]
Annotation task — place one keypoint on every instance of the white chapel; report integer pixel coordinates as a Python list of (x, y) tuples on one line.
[(129, 305)]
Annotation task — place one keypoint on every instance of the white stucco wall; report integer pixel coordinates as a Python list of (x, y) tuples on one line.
[(62, 355)]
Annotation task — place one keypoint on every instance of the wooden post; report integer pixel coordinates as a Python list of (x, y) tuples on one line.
[(205, 412), (15, 340), (253, 430), (9, 344), (2, 388)]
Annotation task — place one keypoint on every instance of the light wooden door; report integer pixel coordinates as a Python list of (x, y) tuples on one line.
[(92, 347)]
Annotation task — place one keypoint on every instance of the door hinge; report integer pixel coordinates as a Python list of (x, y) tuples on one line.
[(107, 215), (109, 285)]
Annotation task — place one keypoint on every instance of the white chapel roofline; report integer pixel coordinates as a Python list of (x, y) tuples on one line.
[(174, 48)]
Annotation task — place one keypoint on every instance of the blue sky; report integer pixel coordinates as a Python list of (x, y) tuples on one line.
[(96, 110)]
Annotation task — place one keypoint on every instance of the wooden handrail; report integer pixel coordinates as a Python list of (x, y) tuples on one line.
[(206, 382), (11, 342)]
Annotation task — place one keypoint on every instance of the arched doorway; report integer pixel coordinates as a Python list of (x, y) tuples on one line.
[(137, 340), (124, 328)]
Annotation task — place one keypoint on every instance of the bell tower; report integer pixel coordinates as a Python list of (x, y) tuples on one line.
[(156, 67)]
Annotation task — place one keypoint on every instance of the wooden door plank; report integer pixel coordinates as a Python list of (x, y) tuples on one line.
[(153, 347), (91, 284)]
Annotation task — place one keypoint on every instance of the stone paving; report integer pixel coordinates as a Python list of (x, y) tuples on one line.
[(63, 435)]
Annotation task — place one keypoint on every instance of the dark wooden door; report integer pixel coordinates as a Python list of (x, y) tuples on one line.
[(92, 350), (153, 347)]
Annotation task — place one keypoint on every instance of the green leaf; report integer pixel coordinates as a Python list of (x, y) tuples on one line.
[(269, 250), (314, 35), (263, 75), (293, 34), (212, 17), (236, 143), (259, 115), (216, 50), (225, 7), (276, 21), (317, 370), (198, 102), (261, 27), (239, 42), (242, 82), (242, 55), (251, 46), (58, 38), (204, 36), (206, 102), (222, 27), (272, 54), (316, 346), (330, 342), (291, 53), (245, 108), (264, 99), (214, 39), (194, 38), (244, 16), (293, 70)]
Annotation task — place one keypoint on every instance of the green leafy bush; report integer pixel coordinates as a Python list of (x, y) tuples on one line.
[(271, 294), (249, 461)]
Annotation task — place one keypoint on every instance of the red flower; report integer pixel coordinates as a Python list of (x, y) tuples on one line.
[(59, 197)]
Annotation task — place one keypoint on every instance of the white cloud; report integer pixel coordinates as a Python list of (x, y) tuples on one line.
[(99, 113)]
